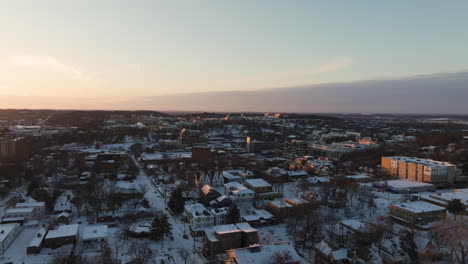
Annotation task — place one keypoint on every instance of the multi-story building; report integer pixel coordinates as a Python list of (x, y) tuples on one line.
[(340, 149), (25, 213), (280, 209), (39, 208), (220, 215), (262, 189), (189, 136), (199, 217), (12, 149), (204, 156), (295, 148), (218, 239), (416, 213), (240, 195), (258, 145), (424, 170)]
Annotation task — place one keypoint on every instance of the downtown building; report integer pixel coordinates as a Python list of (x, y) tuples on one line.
[(438, 173)]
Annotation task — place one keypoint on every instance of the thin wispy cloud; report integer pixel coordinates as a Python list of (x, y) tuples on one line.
[(48, 63), (331, 66)]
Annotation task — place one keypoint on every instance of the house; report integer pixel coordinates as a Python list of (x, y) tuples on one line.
[(240, 195), (259, 217), (65, 234), (260, 254), (280, 209), (218, 239), (301, 206), (140, 230), (37, 242), (63, 203), (8, 233), (199, 217), (220, 215), (94, 235), (214, 180), (325, 254), (63, 218)]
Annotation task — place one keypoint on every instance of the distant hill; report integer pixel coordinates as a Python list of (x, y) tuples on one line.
[(435, 94), (440, 93)]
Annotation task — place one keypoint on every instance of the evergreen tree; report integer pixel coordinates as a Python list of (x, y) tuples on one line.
[(233, 214), (455, 206), (160, 227), (176, 201)]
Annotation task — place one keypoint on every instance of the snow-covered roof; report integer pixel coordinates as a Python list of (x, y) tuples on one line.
[(219, 211), (340, 254), (37, 239), (257, 183), (258, 214), (405, 184), (419, 207), (323, 247), (63, 231), (32, 205), (222, 229), (95, 232), (353, 224), (19, 210), (246, 227), (260, 254), (281, 204), (6, 229)]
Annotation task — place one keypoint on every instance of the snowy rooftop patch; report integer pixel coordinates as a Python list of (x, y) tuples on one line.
[(246, 227), (37, 239), (419, 207), (265, 253), (258, 183), (222, 229), (19, 210), (403, 184), (95, 232), (32, 205), (258, 214), (5, 230), (353, 224), (63, 231)]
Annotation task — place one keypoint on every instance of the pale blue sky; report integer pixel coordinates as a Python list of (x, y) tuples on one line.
[(122, 48)]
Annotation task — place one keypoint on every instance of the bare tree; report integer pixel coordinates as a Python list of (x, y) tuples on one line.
[(184, 254), (140, 253), (454, 236), (281, 258)]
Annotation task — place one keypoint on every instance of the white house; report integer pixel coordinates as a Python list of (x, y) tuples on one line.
[(219, 215), (240, 195), (198, 216)]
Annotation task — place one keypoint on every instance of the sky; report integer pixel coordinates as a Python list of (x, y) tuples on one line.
[(116, 48)]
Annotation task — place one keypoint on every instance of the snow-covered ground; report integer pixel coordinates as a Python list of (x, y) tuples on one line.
[(179, 228)]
